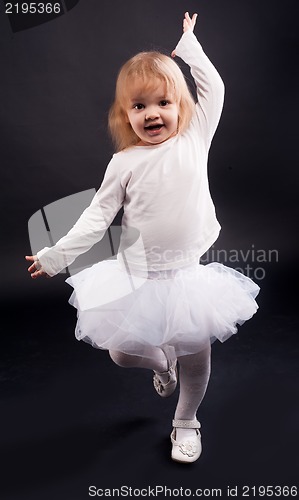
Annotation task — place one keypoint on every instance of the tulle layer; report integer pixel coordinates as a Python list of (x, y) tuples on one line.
[(183, 308)]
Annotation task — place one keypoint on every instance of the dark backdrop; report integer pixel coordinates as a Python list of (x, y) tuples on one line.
[(57, 83)]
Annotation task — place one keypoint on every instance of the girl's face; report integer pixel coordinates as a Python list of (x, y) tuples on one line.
[(153, 114)]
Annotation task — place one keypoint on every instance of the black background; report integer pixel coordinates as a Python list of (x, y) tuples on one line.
[(70, 418)]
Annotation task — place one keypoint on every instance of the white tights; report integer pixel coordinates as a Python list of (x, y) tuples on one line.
[(194, 377)]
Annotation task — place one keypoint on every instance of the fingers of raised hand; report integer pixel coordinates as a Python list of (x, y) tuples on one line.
[(189, 23)]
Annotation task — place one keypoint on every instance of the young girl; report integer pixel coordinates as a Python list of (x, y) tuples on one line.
[(155, 304)]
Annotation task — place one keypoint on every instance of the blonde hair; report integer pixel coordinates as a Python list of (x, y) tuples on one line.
[(147, 67)]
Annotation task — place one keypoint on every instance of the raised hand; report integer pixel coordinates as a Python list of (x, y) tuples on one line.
[(35, 269), (188, 24)]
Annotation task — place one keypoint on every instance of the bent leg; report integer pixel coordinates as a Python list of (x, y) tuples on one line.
[(157, 360)]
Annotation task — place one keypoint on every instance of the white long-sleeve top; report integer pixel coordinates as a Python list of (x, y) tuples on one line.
[(169, 217)]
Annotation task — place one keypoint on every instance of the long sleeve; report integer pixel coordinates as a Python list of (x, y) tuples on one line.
[(90, 227), (209, 85)]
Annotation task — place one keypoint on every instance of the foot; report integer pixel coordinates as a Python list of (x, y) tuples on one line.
[(166, 382), (186, 441)]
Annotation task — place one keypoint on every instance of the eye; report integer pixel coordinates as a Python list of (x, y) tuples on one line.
[(138, 106), (164, 102)]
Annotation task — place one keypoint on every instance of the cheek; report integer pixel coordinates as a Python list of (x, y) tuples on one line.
[(135, 122), (175, 117)]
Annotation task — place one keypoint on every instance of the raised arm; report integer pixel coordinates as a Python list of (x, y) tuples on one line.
[(209, 85)]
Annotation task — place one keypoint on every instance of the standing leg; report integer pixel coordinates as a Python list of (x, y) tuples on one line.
[(194, 378)]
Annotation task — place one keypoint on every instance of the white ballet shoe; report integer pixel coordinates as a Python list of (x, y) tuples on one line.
[(189, 450), (165, 389)]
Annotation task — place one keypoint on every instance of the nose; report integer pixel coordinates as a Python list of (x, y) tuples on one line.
[(152, 113)]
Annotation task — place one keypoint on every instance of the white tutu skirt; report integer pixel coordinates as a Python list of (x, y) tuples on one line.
[(184, 308)]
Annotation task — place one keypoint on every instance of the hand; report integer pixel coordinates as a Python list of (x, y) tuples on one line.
[(35, 269), (188, 24)]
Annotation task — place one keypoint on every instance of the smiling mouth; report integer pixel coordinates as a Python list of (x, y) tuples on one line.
[(156, 126)]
